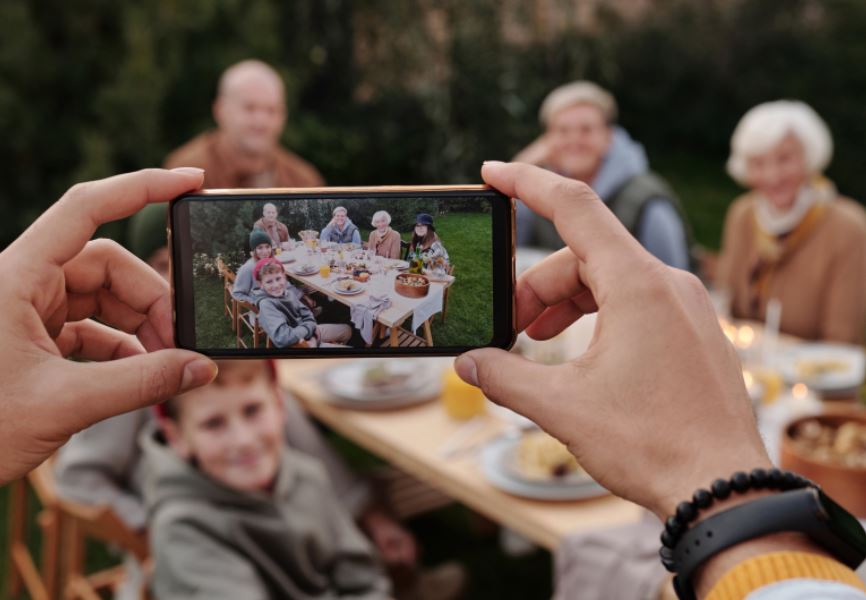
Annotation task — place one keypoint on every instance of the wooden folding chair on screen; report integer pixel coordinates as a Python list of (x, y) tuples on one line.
[(247, 320), (229, 303)]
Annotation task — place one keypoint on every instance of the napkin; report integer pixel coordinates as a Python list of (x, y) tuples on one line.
[(619, 562), (363, 315), (427, 307)]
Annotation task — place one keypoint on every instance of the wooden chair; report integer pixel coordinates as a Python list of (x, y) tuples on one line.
[(65, 526), (229, 304), (246, 318), (41, 582), (82, 522)]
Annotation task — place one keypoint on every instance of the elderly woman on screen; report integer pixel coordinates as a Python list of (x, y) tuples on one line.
[(383, 241), (792, 237)]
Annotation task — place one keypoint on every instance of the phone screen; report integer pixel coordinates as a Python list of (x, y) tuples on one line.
[(351, 273)]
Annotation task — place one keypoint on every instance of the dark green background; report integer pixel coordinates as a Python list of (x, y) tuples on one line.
[(407, 91)]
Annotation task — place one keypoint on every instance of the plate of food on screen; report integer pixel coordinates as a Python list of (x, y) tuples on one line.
[(381, 384), (537, 466), (348, 286), (305, 269)]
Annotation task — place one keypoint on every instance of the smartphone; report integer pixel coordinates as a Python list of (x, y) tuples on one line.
[(378, 271)]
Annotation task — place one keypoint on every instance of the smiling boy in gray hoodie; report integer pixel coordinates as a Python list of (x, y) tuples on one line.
[(236, 513)]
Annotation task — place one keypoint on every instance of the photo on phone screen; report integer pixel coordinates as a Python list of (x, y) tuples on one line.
[(352, 273)]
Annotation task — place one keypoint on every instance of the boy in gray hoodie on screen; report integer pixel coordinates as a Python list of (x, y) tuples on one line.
[(286, 320)]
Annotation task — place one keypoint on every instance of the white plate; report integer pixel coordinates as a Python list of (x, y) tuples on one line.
[(495, 460), (298, 271), (359, 288), (401, 265), (285, 257), (849, 377), (345, 384)]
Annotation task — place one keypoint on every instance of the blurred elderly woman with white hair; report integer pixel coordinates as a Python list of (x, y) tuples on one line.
[(792, 237), (384, 241)]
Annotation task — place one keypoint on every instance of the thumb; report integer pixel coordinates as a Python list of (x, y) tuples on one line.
[(506, 378), (104, 389)]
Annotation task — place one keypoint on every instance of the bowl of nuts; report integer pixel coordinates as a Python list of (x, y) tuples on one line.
[(830, 449), (411, 285)]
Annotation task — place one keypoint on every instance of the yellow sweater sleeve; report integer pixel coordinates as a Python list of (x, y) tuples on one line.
[(763, 570)]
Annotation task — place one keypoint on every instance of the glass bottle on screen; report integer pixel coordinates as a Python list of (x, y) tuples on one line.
[(416, 264)]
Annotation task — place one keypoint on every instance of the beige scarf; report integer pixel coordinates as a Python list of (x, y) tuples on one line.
[(378, 238), (776, 242)]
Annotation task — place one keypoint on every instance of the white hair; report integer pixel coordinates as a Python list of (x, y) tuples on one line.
[(578, 92), (765, 125), (383, 214), (271, 204), (338, 209)]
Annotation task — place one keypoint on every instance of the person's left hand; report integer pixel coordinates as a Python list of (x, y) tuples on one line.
[(66, 297), (395, 544)]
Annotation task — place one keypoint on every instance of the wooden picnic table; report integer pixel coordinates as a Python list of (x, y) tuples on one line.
[(412, 438), (393, 317)]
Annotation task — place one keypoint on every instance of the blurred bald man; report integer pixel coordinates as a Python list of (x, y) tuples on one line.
[(244, 150)]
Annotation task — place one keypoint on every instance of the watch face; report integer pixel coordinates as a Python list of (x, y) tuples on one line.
[(846, 527)]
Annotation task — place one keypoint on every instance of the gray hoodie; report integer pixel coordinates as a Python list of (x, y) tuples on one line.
[(102, 465), (245, 285), (348, 235), (211, 541), (285, 319), (659, 228)]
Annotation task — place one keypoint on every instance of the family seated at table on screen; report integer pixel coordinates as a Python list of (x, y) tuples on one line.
[(286, 312)]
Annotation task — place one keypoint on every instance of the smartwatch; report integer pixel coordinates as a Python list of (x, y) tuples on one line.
[(808, 511)]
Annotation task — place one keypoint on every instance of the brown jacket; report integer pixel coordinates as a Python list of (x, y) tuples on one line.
[(225, 170), (389, 246), (278, 232), (821, 283)]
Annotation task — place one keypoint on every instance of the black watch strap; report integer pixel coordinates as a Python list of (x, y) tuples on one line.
[(806, 511)]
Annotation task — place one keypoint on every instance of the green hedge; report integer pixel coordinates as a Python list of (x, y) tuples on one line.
[(90, 88)]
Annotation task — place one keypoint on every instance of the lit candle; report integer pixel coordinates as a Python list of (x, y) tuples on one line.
[(745, 336)]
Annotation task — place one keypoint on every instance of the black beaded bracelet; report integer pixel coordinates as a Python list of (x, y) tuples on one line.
[(739, 483)]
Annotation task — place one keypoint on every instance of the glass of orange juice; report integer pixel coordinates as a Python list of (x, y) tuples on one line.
[(461, 400), (325, 270)]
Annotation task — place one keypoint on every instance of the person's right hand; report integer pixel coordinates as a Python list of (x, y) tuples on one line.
[(64, 296), (656, 407)]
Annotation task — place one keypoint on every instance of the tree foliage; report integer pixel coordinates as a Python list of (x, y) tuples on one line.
[(408, 91)]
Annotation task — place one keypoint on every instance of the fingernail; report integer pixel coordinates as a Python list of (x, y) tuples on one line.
[(190, 170), (492, 162), (197, 373), (467, 369)]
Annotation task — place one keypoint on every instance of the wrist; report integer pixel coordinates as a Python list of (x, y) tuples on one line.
[(668, 497), (750, 515), (708, 574)]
